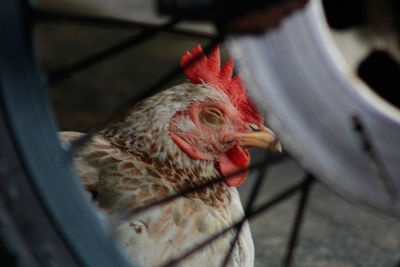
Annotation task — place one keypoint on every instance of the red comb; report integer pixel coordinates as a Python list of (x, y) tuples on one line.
[(199, 69)]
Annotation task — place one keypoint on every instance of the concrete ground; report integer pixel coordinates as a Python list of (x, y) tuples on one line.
[(334, 233)]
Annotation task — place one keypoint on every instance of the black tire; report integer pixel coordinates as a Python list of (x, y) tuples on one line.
[(46, 219)]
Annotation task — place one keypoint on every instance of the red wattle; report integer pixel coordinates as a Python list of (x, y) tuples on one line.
[(233, 160)]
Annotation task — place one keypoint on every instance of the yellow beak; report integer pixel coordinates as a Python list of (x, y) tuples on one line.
[(263, 138)]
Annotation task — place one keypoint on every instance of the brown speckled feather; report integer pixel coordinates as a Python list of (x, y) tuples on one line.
[(131, 164)]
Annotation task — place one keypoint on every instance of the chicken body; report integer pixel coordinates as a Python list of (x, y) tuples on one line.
[(177, 139)]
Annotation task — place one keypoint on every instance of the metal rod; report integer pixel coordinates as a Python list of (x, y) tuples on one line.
[(254, 192), (44, 16), (277, 199), (209, 240), (368, 147), (233, 244), (293, 241), (67, 71), (127, 214)]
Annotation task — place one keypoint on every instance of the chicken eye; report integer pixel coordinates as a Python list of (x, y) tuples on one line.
[(212, 116), (254, 127)]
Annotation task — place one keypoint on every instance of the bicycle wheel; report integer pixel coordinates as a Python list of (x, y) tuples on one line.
[(76, 235), (72, 237), (40, 192)]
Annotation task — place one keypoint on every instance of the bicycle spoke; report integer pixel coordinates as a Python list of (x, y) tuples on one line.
[(124, 108), (67, 71), (279, 198), (208, 241), (132, 212), (235, 239), (254, 192), (375, 160), (298, 220), (127, 214), (266, 206), (45, 16)]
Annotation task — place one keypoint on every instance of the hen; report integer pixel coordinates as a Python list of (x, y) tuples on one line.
[(179, 138)]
